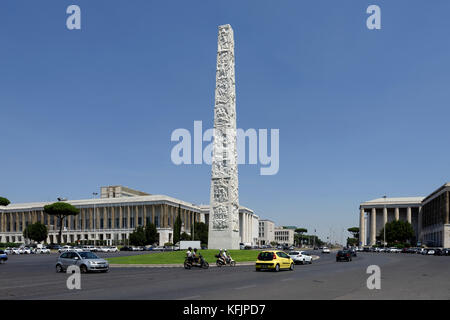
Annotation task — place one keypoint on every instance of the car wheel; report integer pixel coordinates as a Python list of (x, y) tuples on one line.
[(83, 268), (277, 268), (310, 261), (59, 268), (291, 268)]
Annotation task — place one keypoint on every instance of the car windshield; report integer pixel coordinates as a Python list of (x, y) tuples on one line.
[(88, 255)]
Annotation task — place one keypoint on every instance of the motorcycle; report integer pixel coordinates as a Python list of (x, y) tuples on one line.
[(228, 262), (201, 263)]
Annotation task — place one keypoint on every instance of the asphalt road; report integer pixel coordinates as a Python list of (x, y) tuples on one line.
[(403, 276)]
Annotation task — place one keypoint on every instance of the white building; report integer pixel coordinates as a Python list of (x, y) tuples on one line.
[(266, 232), (284, 236), (113, 217)]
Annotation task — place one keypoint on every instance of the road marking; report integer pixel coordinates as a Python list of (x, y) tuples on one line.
[(189, 298), (245, 287)]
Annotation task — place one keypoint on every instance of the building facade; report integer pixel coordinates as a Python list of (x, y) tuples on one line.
[(429, 217), (284, 236), (108, 219), (266, 232)]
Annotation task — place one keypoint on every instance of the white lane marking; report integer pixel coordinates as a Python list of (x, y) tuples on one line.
[(189, 298), (245, 287)]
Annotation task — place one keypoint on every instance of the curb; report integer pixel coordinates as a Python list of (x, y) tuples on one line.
[(238, 264)]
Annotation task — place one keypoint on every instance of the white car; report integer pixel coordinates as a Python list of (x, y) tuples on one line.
[(300, 257), (9, 251), (65, 249), (113, 249), (325, 250), (430, 252), (25, 250), (43, 250), (16, 251)]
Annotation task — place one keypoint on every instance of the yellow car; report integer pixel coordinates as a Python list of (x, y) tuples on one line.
[(274, 260)]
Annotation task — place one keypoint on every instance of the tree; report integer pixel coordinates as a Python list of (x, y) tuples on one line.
[(201, 232), (4, 202), (177, 228), (37, 232), (354, 231), (151, 234), (137, 237), (184, 236), (397, 232), (61, 210), (299, 232)]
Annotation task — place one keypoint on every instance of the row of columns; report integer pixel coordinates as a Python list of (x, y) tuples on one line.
[(373, 222), (167, 215), (247, 227)]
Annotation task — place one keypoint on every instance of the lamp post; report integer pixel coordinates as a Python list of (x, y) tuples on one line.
[(384, 228), (95, 234)]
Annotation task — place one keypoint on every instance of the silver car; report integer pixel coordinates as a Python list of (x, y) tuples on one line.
[(86, 260)]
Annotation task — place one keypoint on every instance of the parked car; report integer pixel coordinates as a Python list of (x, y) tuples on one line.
[(9, 251), (16, 251), (86, 260), (446, 252), (343, 255), (300, 257), (43, 250), (431, 252), (64, 249), (126, 248), (439, 252), (3, 256), (54, 247), (113, 249), (325, 250)]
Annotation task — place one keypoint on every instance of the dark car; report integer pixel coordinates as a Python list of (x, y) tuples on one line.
[(125, 248), (439, 252), (343, 255), (446, 252), (352, 252), (54, 246)]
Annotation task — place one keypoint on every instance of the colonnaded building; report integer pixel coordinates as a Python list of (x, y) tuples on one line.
[(115, 215), (429, 216)]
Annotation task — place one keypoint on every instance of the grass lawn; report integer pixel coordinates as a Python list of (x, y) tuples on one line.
[(177, 257)]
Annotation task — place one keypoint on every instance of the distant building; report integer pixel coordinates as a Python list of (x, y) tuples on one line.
[(119, 192), (284, 235), (266, 232), (429, 216)]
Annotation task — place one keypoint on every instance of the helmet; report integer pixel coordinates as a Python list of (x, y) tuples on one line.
[(190, 249), (221, 250), (225, 250), (195, 250)]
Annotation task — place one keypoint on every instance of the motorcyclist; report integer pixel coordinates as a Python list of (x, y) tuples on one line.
[(223, 256), (227, 256), (189, 255), (195, 255)]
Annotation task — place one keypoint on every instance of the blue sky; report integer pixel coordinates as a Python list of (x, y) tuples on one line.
[(361, 113)]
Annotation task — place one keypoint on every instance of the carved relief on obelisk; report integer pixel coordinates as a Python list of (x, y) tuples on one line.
[(224, 201)]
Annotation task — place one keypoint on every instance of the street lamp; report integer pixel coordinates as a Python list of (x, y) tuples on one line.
[(95, 234), (384, 228)]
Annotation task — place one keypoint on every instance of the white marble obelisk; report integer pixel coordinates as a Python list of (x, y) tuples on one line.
[(224, 203)]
